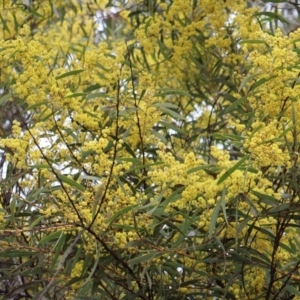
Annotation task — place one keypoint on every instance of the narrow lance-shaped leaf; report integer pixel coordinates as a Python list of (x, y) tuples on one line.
[(71, 73), (71, 182), (223, 204), (213, 220), (232, 169)]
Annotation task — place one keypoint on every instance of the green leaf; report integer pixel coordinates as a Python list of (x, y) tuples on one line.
[(184, 228), (52, 236), (260, 82), (77, 255), (196, 169), (88, 259), (136, 12), (144, 258), (163, 49), (228, 137), (279, 208), (213, 220), (283, 133), (250, 203), (172, 126), (16, 253), (292, 290), (223, 204), (40, 166), (97, 95), (248, 169), (5, 98), (36, 221), (33, 106), (246, 80), (152, 207), (267, 231), (264, 198), (97, 199), (89, 177), (71, 73), (235, 104), (272, 15), (58, 248), (76, 95), (71, 182), (169, 91), (130, 159), (159, 136), (165, 105), (92, 87), (173, 114), (120, 213), (173, 197), (19, 289), (240, 258), (242, 225), (231, 170), (252, 42)]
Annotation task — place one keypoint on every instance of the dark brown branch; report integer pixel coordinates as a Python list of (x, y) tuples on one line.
[(138, 123), (51, 167)]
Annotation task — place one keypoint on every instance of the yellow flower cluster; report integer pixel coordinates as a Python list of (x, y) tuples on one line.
[(110, 156), (17, 150), (276, 65), (76, 272), (264, 146)]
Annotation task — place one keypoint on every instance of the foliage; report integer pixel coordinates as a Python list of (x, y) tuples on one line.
[(151, 150)]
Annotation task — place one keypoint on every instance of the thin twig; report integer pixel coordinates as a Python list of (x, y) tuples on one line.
[(138, 123), (60, 264), (51, 167)]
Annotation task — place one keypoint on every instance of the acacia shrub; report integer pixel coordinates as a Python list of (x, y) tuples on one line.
[(160, 164)]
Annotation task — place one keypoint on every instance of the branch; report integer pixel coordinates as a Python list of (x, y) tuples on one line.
[(51, 167), (60, 265)]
